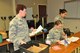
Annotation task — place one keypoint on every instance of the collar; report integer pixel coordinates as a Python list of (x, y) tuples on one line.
[(18, 17)]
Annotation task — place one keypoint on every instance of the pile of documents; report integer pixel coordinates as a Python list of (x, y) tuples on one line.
[(69, 40), (39, 29)]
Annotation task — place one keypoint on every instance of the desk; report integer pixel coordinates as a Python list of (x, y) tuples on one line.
[(43, 33), (5, 43), (67, 49)]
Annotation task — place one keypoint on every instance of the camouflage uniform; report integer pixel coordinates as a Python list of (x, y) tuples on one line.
[(54, 35), (18, 30), (58, 17)]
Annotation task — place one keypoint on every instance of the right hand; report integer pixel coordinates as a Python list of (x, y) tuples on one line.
[(58, 41), (32, 29), (22, 42)]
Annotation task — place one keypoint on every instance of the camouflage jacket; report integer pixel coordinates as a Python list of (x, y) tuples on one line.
[(18, 30)]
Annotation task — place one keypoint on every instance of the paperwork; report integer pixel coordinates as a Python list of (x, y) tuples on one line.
[(69, 40), (73, 39), (39, 29)]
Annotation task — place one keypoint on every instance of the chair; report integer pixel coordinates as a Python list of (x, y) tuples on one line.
[(49, 25), (67, 31), (30, 23)]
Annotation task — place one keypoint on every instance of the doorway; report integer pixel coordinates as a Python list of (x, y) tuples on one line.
[(42, 14)]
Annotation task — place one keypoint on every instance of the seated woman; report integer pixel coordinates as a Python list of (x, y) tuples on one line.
[(55, 34)]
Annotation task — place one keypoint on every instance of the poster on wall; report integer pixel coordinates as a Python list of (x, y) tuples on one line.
[(29, 13)]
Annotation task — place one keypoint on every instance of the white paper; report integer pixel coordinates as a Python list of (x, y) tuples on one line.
[(39, 29), (69, 40), (8, 40), (73, 39)]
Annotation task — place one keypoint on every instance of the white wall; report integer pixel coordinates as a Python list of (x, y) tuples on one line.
[(32, 3), (7, 8), (73, 24), (53, 7)]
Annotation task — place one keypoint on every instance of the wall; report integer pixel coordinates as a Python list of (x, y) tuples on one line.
[(32, 3), (53, 7), (73, 24), (6, 9)]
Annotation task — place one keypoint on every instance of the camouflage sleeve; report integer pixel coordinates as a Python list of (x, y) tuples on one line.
[(51, 37), (56, 18), (62, 34)]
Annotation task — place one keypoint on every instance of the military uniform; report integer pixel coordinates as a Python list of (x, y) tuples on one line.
[(58, 17), (54, 35), (18, 30)]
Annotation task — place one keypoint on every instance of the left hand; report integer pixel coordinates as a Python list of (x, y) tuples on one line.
[(32, 29), (22, 42), (65, 36)]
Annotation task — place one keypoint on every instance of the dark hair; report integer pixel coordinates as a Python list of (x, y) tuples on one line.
[(57, 22), (20, 7), (62, 11)]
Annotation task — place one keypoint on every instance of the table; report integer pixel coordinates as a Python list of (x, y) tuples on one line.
[(67, 49), (5, 43), (43, 34)]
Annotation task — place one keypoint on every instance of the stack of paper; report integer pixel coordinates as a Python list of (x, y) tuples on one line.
[(39, 29), (73, 39), (69, 40)]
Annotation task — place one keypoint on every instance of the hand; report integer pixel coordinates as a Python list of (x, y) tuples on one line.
[(22, 42), (58, 41), (32, 29), (65, 36)]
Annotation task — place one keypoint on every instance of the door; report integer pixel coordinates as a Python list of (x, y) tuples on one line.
[(42, 14)]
